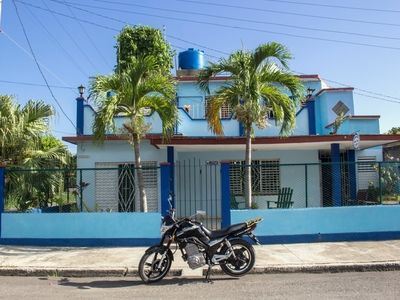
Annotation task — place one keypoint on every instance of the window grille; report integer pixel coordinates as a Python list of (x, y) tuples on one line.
[(225, 111), (265, 177), (366, 164)]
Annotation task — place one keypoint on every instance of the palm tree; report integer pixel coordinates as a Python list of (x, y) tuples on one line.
[(137, 91), (25, 143), (260, 83)]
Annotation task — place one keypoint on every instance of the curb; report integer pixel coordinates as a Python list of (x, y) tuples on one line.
[(133, 272)]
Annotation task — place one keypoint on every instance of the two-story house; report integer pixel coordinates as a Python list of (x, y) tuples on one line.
[(195, 151)]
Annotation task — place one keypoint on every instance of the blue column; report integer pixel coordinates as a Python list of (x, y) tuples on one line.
[(311, 117), (336, 175), (225, 195), (171, 161), (352, 174), (165, 171), (241, 129), (79, 116), (2, 183)]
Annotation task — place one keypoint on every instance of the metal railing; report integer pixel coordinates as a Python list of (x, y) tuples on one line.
[(198, 186)]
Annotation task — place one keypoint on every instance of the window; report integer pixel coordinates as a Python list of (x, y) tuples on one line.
[(225, 111), (265, 177)]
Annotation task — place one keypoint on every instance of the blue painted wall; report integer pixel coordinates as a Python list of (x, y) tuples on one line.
[(323, 221), (323, 108), (362, 126), (80, 225)]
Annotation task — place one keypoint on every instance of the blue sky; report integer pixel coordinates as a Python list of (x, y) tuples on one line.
[(356, 43)]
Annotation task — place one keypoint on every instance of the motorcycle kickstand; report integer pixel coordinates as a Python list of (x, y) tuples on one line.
[(208, 275)]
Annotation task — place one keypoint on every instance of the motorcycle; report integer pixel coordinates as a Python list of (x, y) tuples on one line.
[(200, 246)]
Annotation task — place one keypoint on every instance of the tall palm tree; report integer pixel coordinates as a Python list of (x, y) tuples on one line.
[(260, 83), (135, 92)]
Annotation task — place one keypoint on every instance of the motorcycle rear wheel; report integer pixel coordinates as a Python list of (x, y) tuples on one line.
[(151, 268), (243, 261)]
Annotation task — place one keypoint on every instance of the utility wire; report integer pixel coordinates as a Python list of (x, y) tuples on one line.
[(30, 55), (215, 50), (290, 13), (37, 84), (335, 6), (38, 65), (76, 64), (237, 19), (88, 36), (226, 26), (72, 39)]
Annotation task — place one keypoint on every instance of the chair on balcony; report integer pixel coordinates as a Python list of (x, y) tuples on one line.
[(284, 199)]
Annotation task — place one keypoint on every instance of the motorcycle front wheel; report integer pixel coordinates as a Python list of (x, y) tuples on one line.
[(154, 265), (243, 260)]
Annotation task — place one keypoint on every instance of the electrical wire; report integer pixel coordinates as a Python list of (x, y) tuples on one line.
[(72, 39), (192, 43), (30, 56), (36, 84), (69, 56), (226, 26), (38, 65), (237, 19), (290, 13), (88, 36), (335, 6)]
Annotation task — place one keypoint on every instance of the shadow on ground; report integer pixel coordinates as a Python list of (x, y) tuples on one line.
[(111, 283)]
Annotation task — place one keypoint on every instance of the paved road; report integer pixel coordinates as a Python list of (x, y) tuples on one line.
[(368, 285)]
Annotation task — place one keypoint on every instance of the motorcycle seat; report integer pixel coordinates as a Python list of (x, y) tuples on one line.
[(214, 234)]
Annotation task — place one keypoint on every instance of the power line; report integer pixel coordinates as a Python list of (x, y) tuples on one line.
[(336, 6), (59, 44), (37, 84), (72, 39), (240, 19), (30, 55), (225, 26), (68, 16), (192, 43), (88, 36), (38, 65), (290, 13)]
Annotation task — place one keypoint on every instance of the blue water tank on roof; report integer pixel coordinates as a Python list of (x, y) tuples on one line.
[(191, 59)]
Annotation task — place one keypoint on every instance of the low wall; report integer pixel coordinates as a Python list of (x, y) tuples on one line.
[(324, 224), (80, 229)]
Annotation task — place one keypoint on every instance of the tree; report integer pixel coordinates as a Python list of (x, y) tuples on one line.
[(26, 144), (394, 130), (134, 41), (258, 85), (138, 90)]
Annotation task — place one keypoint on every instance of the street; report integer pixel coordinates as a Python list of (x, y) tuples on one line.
[(368, 285)]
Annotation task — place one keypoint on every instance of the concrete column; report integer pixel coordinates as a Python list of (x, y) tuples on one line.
[(225, 195), (79, 116), (2, 196), (165, 185), (336, 175), (171, 161), (352, 174)]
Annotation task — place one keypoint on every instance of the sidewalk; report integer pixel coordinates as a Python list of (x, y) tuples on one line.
[(97, 262)]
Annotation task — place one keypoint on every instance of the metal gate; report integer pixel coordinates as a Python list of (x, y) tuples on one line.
[(198, 187)]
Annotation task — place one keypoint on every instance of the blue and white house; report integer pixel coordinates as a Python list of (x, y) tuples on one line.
[(204, 171), (291, 161)]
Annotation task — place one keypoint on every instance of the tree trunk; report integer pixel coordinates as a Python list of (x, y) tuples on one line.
[(247, 173), (139, 173)]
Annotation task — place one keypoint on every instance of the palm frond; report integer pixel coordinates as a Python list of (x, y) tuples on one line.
[(271, 51)]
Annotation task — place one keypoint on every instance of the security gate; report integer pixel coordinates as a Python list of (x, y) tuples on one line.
[(197, 187)]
